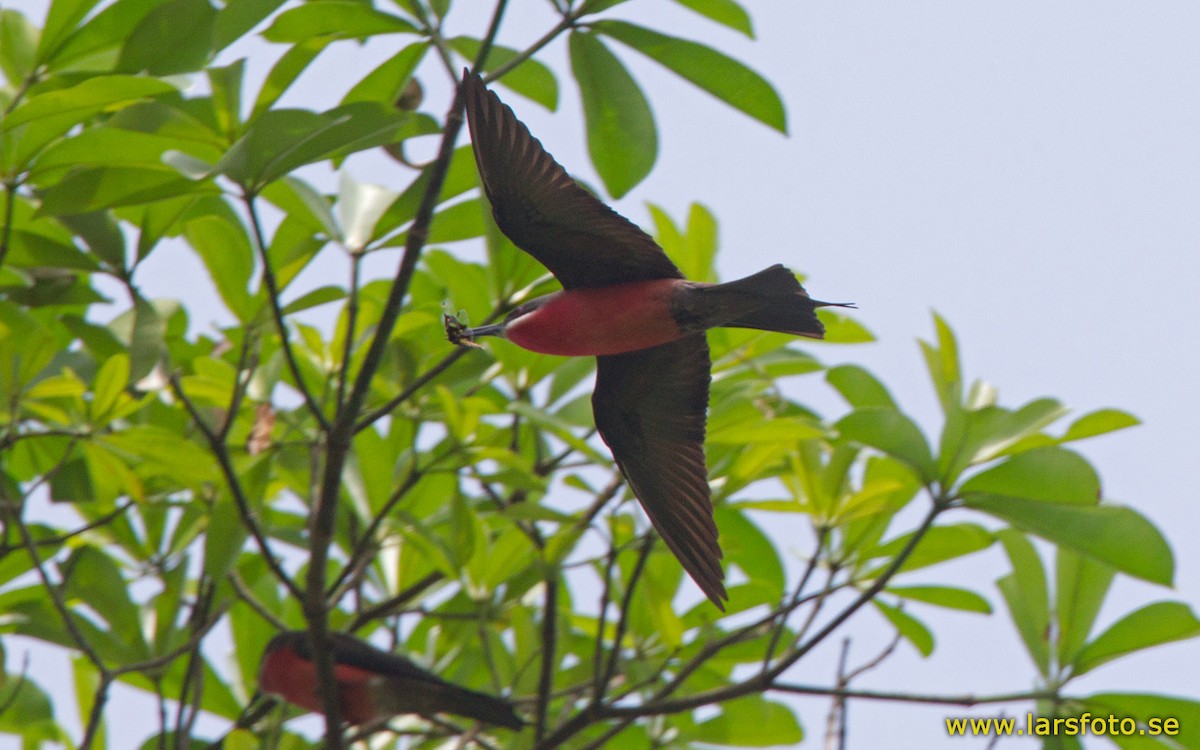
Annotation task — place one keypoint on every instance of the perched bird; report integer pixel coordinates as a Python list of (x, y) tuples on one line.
[(626, 303), (372, 684)]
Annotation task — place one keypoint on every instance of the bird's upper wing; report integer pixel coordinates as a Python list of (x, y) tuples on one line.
[(547, 214), (350, 651), (650, 408)]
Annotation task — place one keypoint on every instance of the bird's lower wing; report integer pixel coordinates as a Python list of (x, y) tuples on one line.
[(650, 408)]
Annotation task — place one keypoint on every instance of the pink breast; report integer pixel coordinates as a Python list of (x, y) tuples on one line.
[(608, 320)]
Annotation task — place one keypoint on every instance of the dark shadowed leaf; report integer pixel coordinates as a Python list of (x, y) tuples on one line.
[(175, 37), (95, 188), (281, 140)]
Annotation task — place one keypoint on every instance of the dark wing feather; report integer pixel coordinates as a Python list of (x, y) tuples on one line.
[(547, 214), (355, 653), (411, 689), (650, 407)]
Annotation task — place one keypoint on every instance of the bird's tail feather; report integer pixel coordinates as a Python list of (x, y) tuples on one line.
[(484, 707), (770, 300)]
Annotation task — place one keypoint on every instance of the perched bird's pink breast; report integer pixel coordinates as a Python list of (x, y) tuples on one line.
[(605, 320), (286, 673)]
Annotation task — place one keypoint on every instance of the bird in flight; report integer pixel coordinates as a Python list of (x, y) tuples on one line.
[(624, 302), (372, 684)]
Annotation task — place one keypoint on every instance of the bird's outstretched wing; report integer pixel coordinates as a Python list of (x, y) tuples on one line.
[(650, 409), (537, 205)]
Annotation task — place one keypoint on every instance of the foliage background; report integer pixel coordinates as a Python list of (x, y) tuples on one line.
[(909, 143)]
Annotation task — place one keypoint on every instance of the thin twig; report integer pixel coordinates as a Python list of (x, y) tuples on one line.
[(273, 297), (220, 452), (549, 651)]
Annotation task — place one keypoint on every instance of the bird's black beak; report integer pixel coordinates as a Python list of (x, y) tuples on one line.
[(460, 335)]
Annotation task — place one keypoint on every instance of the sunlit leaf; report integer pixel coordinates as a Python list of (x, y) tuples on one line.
[(1152, 625), (342, 19), (622, 138), (718, 74), (1027, 595), (910, 628), (1114, 534)]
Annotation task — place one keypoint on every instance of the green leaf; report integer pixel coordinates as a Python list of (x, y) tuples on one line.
[(746, 546), (718, 74), (220, 240), (96, 188), (779, 429), (910, 628), (102, 236), (94, 579), (226, 86), (234, 20), (386, 82), (1098, 423), (949, 597), (891, 432), (622, 138), (319, 296), (1155, 711), (1114, 534), (843, 329), (531, 79), (694, 251), (859, 387), (109, 387), (286, 70), (281, 140), (1081, 585), (1027, 595), (725, 12), (73, 105), (18, 47), (944, 368), (1052, 474), (174, 37), (61, 19), (224, 539), (148, 345), (340, 19), (303, 204), (939, 544), (982, 432), (752, 721), (1152, 625)]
